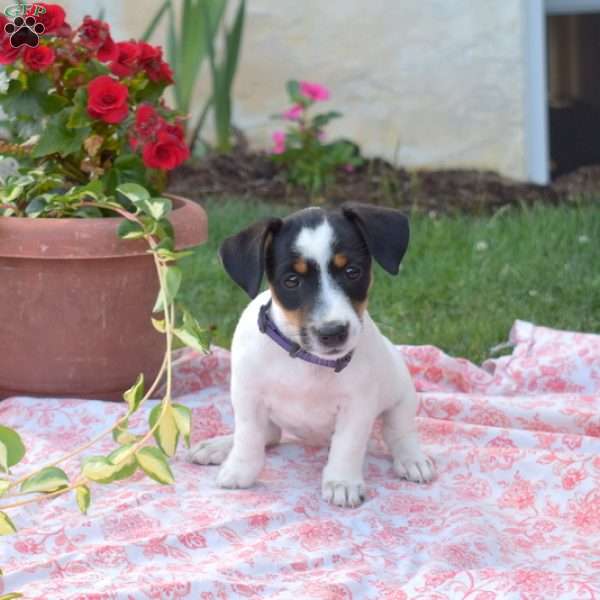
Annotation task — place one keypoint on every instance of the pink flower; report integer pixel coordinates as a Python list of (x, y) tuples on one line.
[(314, 91), (519, 495), (294, 113), (572, 477), (279, 141)]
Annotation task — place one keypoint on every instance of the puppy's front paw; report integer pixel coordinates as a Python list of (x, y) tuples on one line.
[(344, 493), (211, 452), (236, 474), (415, 467)]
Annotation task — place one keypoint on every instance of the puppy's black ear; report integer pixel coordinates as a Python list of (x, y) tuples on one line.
[(243, 254), (385, 231)]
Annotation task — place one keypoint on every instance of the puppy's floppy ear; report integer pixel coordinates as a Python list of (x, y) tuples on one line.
[(243, 254), (385, 231)]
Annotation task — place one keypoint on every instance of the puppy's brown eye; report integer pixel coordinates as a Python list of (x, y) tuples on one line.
[(353, 272), (291, 281)]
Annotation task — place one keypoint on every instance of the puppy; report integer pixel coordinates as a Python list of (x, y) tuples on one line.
[(307, 357)]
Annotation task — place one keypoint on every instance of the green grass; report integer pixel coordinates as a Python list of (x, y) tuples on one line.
[(540, 264)]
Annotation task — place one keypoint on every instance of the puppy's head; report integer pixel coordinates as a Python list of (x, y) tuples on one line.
[(318, 266)]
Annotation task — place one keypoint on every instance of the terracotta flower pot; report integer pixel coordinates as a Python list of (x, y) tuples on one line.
[(75, 304)]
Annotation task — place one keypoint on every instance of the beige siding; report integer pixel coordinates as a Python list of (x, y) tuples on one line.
[(422, 82)]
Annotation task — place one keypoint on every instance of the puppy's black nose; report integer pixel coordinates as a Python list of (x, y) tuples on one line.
[(332, 334)]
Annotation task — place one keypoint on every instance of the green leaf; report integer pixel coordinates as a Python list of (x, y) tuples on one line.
[(3, 458), (99, 469), (159, 325), (167, 433), (166, 254), (122, 435), (15, 450), (134, 395), (47, 480), (11, 596), (84, 497), (36, 207), (124, 461), (194, 42), (192, 335), (183, 420), (57, 138), (166, 231), (138, 195), (52, 103), (293, 90), (156, 20), (155, 465), (4, 486), (107, 469), (26, 97), (191, 339), (78, 117), (127, 168), (173, 278), (130, 230), (159, 207), (73, 72), (88, 212), (232, 46), (323, 119), (6, 525)]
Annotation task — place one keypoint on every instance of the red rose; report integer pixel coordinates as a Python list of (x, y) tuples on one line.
[(167, 152), (175, 130), (3, 22), (147, 121), (151, 61), (127, 59), (8, 54), (108, 51), (148, 53), (107, 99), (164, 74), (39, 59), (94, 34), (52, 19)]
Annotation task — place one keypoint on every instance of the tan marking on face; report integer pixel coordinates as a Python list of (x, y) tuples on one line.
[(360, 307), (340, 260), (294, 317), (300, 266)]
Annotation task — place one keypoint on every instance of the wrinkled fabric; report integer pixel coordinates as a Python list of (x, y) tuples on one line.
[(513, 513)]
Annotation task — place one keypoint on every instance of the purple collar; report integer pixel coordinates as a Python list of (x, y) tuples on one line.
[(295, 350)]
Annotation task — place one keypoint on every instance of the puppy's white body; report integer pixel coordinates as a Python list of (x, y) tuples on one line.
[(271, 391), (305, 399)]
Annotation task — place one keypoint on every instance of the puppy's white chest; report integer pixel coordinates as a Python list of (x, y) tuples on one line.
[(304, 410)]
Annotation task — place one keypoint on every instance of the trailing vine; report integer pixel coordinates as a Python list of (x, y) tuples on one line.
[(168, 421)]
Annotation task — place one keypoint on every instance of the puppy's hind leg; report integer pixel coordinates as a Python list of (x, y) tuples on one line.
[(215, 450), (400, 435)]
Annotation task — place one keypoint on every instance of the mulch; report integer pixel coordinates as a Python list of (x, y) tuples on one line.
[(253, 175)]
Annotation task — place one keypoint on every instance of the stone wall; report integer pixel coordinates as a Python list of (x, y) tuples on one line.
[(421, 82)]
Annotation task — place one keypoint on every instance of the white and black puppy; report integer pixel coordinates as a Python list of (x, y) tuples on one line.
[(306, 355)]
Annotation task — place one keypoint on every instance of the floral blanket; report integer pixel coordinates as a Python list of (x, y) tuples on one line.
[(513, 513)]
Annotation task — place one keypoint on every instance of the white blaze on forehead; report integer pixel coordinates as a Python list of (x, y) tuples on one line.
[(317, 244)]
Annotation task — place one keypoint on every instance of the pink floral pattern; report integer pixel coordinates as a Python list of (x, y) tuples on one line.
[(514, 512)]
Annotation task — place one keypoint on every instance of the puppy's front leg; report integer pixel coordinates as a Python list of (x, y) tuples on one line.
[(342, 482), (400, 435), (251, 434)]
